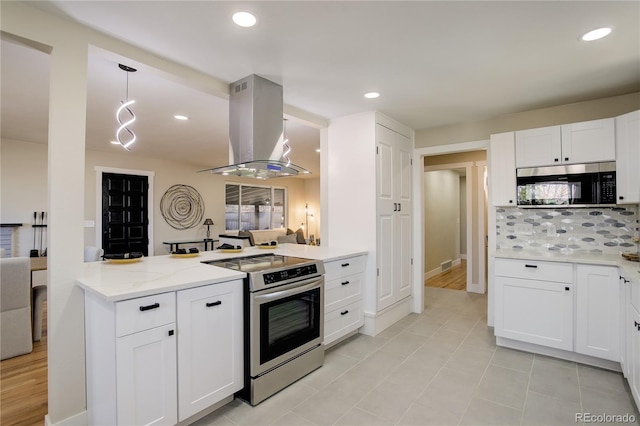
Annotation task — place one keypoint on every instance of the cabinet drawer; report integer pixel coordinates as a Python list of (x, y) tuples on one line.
[(144, 313), (534, 270), (342, 321), (344, 267), (342, 291)]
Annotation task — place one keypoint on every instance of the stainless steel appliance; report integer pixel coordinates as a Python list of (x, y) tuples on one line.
[(257, 138), (577, 185), (284, 321)]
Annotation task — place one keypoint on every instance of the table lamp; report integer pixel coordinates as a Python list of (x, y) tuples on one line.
[(208, 222)]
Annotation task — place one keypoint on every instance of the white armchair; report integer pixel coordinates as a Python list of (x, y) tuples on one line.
[(15, 307)]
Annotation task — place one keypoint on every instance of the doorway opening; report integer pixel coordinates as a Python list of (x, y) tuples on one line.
[(454, 219)]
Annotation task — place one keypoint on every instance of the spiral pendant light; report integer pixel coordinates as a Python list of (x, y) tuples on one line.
[(286, 148), (124, 135)]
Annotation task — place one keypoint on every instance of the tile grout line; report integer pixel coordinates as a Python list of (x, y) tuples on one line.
[(480, 381)]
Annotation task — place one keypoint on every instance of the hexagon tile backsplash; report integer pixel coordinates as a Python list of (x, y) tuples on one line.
[(609, 230)]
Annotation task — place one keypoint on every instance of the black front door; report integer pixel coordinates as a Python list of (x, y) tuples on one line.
[(125, 213)]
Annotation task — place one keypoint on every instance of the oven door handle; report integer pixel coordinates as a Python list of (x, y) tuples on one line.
[(289, 292)]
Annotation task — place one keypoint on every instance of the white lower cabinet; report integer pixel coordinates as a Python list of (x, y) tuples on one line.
[(343, 311), (631, 332), (210, 349), (532, 305), (598, 311), (146, 377), (634, 379), (159, 359)]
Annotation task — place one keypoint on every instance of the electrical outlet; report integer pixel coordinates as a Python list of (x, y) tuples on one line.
[(524, 229)]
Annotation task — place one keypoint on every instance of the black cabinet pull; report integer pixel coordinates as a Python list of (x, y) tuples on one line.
[(399, 207), (395, 207), (170, 332), (624, 280), (344, 265), (637, 325), (345, 312), (345, 282), (567, 288), (566, 158), (621, 197), (216, 303), (530, 266), (148, 307), (510, 201), (555, 160)]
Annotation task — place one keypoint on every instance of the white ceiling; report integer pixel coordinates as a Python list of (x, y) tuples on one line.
[(434, 63)]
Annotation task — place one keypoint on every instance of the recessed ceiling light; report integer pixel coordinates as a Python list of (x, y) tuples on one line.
[(596, 34), (318, 150), (371, 95), (244, 19), (180, 117)]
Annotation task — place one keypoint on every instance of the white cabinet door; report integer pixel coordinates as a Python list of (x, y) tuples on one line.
[(628, 158), (539, 312), (393, 187), (588, 141), (210, 345), (634, 379), (146, 377), (625, 336), (598, 314), (502, 169), (538, 147)]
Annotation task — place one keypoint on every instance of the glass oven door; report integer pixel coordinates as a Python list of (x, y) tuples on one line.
[(285, 323)]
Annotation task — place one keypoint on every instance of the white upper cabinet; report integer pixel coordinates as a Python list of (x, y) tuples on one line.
[(628, 158), (589, 141), (538, 147), (502, 170), (585, 142)]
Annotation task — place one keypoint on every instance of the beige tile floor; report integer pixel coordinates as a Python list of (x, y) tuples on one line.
[(441, 367)]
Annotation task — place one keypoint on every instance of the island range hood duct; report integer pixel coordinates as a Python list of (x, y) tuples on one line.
[(256, 131)]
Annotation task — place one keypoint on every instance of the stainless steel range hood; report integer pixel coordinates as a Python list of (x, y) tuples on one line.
[(256, 131)]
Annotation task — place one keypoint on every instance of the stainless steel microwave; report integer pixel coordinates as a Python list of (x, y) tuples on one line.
[(577, 185)]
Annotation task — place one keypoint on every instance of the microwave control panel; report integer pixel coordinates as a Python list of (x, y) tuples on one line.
[(608, 188)]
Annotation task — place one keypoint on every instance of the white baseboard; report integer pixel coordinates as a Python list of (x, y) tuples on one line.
[(463, 256), (80, 419), (376, 322), (437, 271), (474, 288)]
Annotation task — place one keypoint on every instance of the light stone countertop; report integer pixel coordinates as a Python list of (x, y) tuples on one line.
[(631, 269), (159, 274)]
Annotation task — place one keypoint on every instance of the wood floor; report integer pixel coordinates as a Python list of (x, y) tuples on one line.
[(23, 385), (454, 279)]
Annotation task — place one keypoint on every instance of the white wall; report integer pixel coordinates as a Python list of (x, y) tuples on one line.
[(442, 216), (23, 185)]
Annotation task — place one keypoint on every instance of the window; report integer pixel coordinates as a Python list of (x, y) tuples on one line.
[(254, 207)]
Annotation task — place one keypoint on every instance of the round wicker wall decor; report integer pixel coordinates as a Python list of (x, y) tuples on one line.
[(182, 207)]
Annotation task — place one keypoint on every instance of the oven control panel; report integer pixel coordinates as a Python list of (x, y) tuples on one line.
[(288, 274)]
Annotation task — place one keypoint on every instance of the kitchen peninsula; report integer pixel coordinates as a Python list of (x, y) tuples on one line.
[(154, 352)]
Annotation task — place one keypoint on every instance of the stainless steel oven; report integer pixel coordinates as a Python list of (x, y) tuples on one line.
[(284, 321)]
